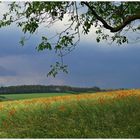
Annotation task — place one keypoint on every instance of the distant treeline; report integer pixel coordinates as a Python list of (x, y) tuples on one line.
[(45, 89)]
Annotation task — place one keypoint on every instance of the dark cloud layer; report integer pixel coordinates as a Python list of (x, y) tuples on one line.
[(6, 72), (106, 67), (9, 42), (90, 64)]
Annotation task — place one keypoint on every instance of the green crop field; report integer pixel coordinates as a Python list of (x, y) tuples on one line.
[(29, 95), (113, 114)]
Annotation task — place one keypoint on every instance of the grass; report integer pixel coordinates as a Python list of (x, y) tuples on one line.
[(29, 95), (100, 115)]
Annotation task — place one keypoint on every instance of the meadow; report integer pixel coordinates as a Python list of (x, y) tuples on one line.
[(29, 95), (100, 115)]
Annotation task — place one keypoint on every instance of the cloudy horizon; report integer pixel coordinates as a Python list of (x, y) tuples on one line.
[(90, 64)]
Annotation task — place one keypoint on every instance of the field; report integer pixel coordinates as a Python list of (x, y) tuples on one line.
[(29, 95), (113, 114)]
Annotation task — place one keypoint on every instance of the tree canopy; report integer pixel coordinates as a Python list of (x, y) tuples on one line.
[(117, 17)]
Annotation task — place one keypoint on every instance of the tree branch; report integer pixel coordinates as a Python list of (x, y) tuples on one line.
[(127, 21)]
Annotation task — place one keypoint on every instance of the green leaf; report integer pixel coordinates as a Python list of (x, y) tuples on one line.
[(44, 45), (98, 39)]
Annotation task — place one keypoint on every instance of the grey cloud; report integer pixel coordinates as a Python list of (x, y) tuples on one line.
[(111, 68), (9, 42), (90, 64), (6, 72)]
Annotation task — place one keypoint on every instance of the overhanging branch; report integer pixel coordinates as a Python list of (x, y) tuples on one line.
[(127, 21)]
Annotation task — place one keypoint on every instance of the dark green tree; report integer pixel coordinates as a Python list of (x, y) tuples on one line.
[(117, 17)]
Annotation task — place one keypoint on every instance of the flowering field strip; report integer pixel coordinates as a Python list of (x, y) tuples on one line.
[(7, 105), (72, 116)]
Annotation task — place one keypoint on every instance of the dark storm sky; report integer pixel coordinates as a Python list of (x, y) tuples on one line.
[(90, 64)]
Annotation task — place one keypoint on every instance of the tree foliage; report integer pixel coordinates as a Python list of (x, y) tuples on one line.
[(117, 17), (46, 89)]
